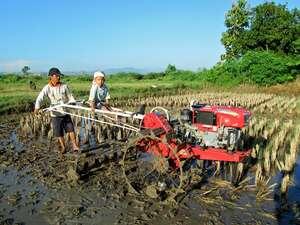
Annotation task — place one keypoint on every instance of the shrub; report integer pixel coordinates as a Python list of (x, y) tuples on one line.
[(154, 75), (262, 68), (266, 68), (126, 76)]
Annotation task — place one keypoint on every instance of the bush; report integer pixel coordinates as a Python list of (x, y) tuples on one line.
[(181, 75), (266, 68), (11, 78), (126, 76), (154, 75), (84, 77), (15, 78), (262, 68)]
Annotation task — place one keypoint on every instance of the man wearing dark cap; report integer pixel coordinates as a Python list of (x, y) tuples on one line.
[(58, 93)]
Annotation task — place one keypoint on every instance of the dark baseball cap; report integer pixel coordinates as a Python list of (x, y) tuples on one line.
[(53, 71)]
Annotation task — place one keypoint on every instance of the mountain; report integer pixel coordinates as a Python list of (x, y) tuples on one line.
[(126, 70), (107, 71)]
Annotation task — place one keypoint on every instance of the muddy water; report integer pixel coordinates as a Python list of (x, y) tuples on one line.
[(36, 187), (288, 206)]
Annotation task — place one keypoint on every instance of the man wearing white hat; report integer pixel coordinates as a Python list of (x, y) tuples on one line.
[(99, 93)]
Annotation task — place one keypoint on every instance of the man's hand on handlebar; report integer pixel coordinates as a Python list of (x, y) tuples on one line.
[(36, 111)]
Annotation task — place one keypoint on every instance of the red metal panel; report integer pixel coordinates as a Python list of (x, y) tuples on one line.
[(219, 154), (154, 121)]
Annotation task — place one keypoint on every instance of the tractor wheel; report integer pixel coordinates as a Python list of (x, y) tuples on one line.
[(151, 174)]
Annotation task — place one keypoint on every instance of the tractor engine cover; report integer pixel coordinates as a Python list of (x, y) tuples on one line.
[(218, 126)]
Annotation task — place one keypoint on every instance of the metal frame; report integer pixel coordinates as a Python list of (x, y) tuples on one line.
[(117, 113)]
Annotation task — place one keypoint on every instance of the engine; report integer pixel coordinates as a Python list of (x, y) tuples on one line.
[(214, 126), (202, 125)]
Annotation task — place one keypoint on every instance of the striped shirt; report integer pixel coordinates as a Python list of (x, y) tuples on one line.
[(57, 95)]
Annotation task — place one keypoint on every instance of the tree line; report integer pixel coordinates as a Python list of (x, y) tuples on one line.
[(266, 27)]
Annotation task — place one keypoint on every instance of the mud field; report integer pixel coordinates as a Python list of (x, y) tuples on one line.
[(39, 186)]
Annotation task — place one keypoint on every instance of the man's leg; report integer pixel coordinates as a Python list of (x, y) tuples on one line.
[(73, 139), (69, 128), (62, 144), (58, 132)]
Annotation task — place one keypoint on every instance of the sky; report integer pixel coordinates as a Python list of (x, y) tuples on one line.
[(78, 35)]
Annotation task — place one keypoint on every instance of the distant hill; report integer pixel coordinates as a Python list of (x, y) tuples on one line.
[(84, 72), (114, 71), (127, 70)]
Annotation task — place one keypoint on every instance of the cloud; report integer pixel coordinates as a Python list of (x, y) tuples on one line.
[(14, 65)]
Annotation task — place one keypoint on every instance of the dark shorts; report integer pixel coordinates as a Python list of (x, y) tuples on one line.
[(61, 124)]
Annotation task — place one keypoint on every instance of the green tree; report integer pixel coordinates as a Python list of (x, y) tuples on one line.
[(25, 70), (237, 22), (296, 45), (170, 69), (296, 42), (273, 27)]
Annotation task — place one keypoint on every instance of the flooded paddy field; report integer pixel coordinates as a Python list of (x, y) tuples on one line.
[(38, 185)]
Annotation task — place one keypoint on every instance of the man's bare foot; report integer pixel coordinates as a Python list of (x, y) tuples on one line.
[(62, 150), (75, 148)]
